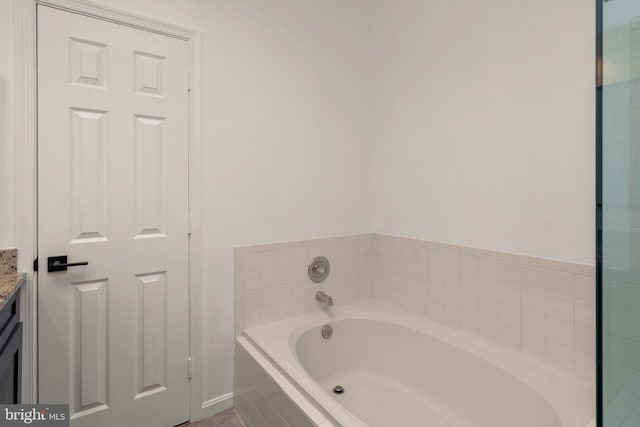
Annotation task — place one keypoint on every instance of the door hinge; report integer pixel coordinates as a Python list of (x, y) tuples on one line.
[(189, 225), (189, 367), (189, 82), (35, 264)]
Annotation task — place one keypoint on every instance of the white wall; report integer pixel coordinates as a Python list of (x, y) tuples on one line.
[(287, 150), (6, 126), (484, 124)]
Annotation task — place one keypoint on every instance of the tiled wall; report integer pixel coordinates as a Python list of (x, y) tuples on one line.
[(264, 398), (271, 281), (540, 307)]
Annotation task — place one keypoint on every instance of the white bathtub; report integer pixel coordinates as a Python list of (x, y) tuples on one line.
[(398, 369)]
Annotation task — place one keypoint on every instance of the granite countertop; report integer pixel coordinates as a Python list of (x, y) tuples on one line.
[(9, 285)]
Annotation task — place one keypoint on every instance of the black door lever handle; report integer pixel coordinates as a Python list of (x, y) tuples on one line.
[(59, 263)]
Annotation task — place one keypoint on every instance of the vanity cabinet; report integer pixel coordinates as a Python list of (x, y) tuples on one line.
[(10, 351)]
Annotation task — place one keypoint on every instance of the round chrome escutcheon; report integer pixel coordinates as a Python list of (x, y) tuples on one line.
[(319, 269)]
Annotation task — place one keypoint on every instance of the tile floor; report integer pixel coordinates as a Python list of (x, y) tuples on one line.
[(228, 418)]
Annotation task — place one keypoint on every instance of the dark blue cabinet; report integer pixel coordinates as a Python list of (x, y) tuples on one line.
[(10, 351)]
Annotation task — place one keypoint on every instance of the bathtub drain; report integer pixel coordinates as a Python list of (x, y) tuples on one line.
[(338, 389), (327, 331)]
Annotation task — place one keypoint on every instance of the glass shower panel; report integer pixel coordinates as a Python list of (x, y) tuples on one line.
[(619, 194)]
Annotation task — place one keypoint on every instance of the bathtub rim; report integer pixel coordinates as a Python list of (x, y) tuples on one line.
[(277, 342)]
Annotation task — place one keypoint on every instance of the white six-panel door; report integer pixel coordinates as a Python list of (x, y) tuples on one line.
[(112, 191)]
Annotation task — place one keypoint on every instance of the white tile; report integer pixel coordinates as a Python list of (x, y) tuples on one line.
[(533, 301), (585, 288), (436, 276), (537, 262), (436, 258), (451, 279), (469, 265), (585, 366), (301, 256), (335, 251), (436, 294), (560, 308), (239, 322), (301, 273), (285, 275), (488, 330), (534, 324), (421, 272), (534, 347), (585, 339), (488, 268), (302, 290), (509, 316), (509, 273), (469, 284), (560, 356), (238, 295), (435, 312), (421, 290), (508, 294), (269, 278), (509, 337), (451, 317), (238, 262), (284, 293), (252, 281), (251, 300), (560, 332), (488, 289), (503, 256), (419, 255), (421, 306), (469, 323), (585, 314), (451, 261), (269, 313), (251, 317), (570, 267), (269, 296), (469, 304), (447, 247), (285, 257), (488, 310), (251, 262), (269, 260), (534, 278), (476, 252), (395, 248), (406, 251), (407, 268), (560, 283), (451, 298)]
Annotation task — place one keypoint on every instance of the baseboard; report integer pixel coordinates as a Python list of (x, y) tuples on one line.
[(217, 405)]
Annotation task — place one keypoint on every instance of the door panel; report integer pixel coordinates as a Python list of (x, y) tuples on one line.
[(113, 191)]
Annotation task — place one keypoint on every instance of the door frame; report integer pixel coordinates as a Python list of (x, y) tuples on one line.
[(26, 189)]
